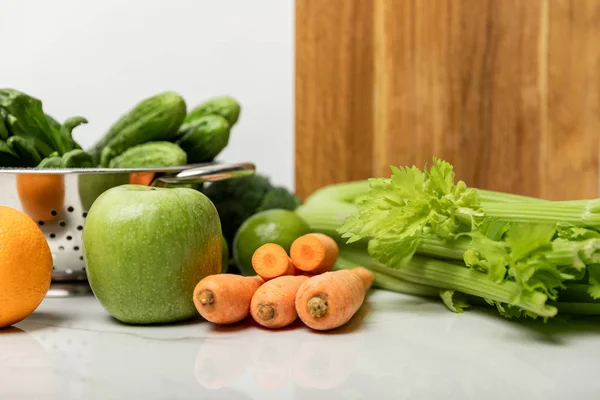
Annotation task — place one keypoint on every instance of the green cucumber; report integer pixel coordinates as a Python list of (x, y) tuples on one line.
[(151, 154), (225, 106), (204, 138), (157, 118)]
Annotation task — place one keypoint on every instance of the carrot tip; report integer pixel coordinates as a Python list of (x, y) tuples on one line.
[(206, 297), (317, 306), (266, 312)]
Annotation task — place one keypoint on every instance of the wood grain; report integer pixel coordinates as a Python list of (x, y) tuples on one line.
[(570, 158), (334, 90), (507, 91)]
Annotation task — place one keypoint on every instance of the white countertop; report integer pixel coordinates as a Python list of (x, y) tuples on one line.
[(400, 347)]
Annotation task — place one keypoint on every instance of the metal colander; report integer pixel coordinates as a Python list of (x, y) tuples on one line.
[(58, 201)]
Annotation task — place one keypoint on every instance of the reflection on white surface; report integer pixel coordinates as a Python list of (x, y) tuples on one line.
[(26, 370), (402, 348)]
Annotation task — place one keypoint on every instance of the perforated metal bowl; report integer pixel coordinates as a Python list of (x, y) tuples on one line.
[(58, 200)]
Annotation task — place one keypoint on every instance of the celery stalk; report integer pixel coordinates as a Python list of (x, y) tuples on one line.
[(450, 276), (445, 275), (578, 213), (351, 259), (327, 218)]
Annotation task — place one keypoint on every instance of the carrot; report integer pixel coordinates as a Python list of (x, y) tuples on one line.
[(329, 300), (314, 253), (141, 178), (225, 298), (273, 304), (271, 260)]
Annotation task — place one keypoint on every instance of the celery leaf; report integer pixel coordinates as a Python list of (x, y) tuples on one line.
[(455, 301)]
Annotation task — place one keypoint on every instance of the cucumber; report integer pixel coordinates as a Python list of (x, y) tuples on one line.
[(204, 138), (151, 154), (225, 106), (157, 118)]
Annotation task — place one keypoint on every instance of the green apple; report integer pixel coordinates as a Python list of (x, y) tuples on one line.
[(146, 248)]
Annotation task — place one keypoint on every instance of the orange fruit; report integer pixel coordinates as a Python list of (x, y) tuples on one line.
[(42, 195), (25, 266)]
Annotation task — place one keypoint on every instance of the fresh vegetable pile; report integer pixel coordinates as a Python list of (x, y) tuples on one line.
[(422, 233), (286, 287), (156, 132), (29, 137)]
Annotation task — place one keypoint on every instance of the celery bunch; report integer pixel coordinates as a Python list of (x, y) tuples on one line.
[(423, 233)]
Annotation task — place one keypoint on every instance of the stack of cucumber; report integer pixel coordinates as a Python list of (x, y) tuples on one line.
[(157, 132)]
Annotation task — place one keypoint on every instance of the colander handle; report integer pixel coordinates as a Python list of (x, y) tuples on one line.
[(205, 173)]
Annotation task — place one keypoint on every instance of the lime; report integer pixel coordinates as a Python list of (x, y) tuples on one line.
[(272, 226)]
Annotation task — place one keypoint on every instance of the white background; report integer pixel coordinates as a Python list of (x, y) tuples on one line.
[(99, 58)]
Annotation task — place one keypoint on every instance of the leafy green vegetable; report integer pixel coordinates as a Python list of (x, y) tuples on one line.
[(77, 158), (516, 253), (455, 301), (25, 151), (54, 124), (3, 129), (279, 197), (32, 134), (8, 157), (52, 161), (27, 119), (66, 132)]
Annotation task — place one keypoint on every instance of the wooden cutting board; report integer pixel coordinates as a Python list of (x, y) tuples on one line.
[(507, 91)]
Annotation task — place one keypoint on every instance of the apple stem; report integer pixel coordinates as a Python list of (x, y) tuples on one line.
[(206, 297), (317, 306), (266, 312)]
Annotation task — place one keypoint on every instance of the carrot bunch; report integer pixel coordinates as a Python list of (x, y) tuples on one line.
[(300, 284)]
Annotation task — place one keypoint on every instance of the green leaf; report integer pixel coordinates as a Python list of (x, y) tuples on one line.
[(26, 118), (66, 132), (594, 280), (455, 301), (8, 157), (525, 239), (393, 251), (488, 256), (77, 158), (52, 161), (411, 201), (572, 232), (3, 129), (25, 151)]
